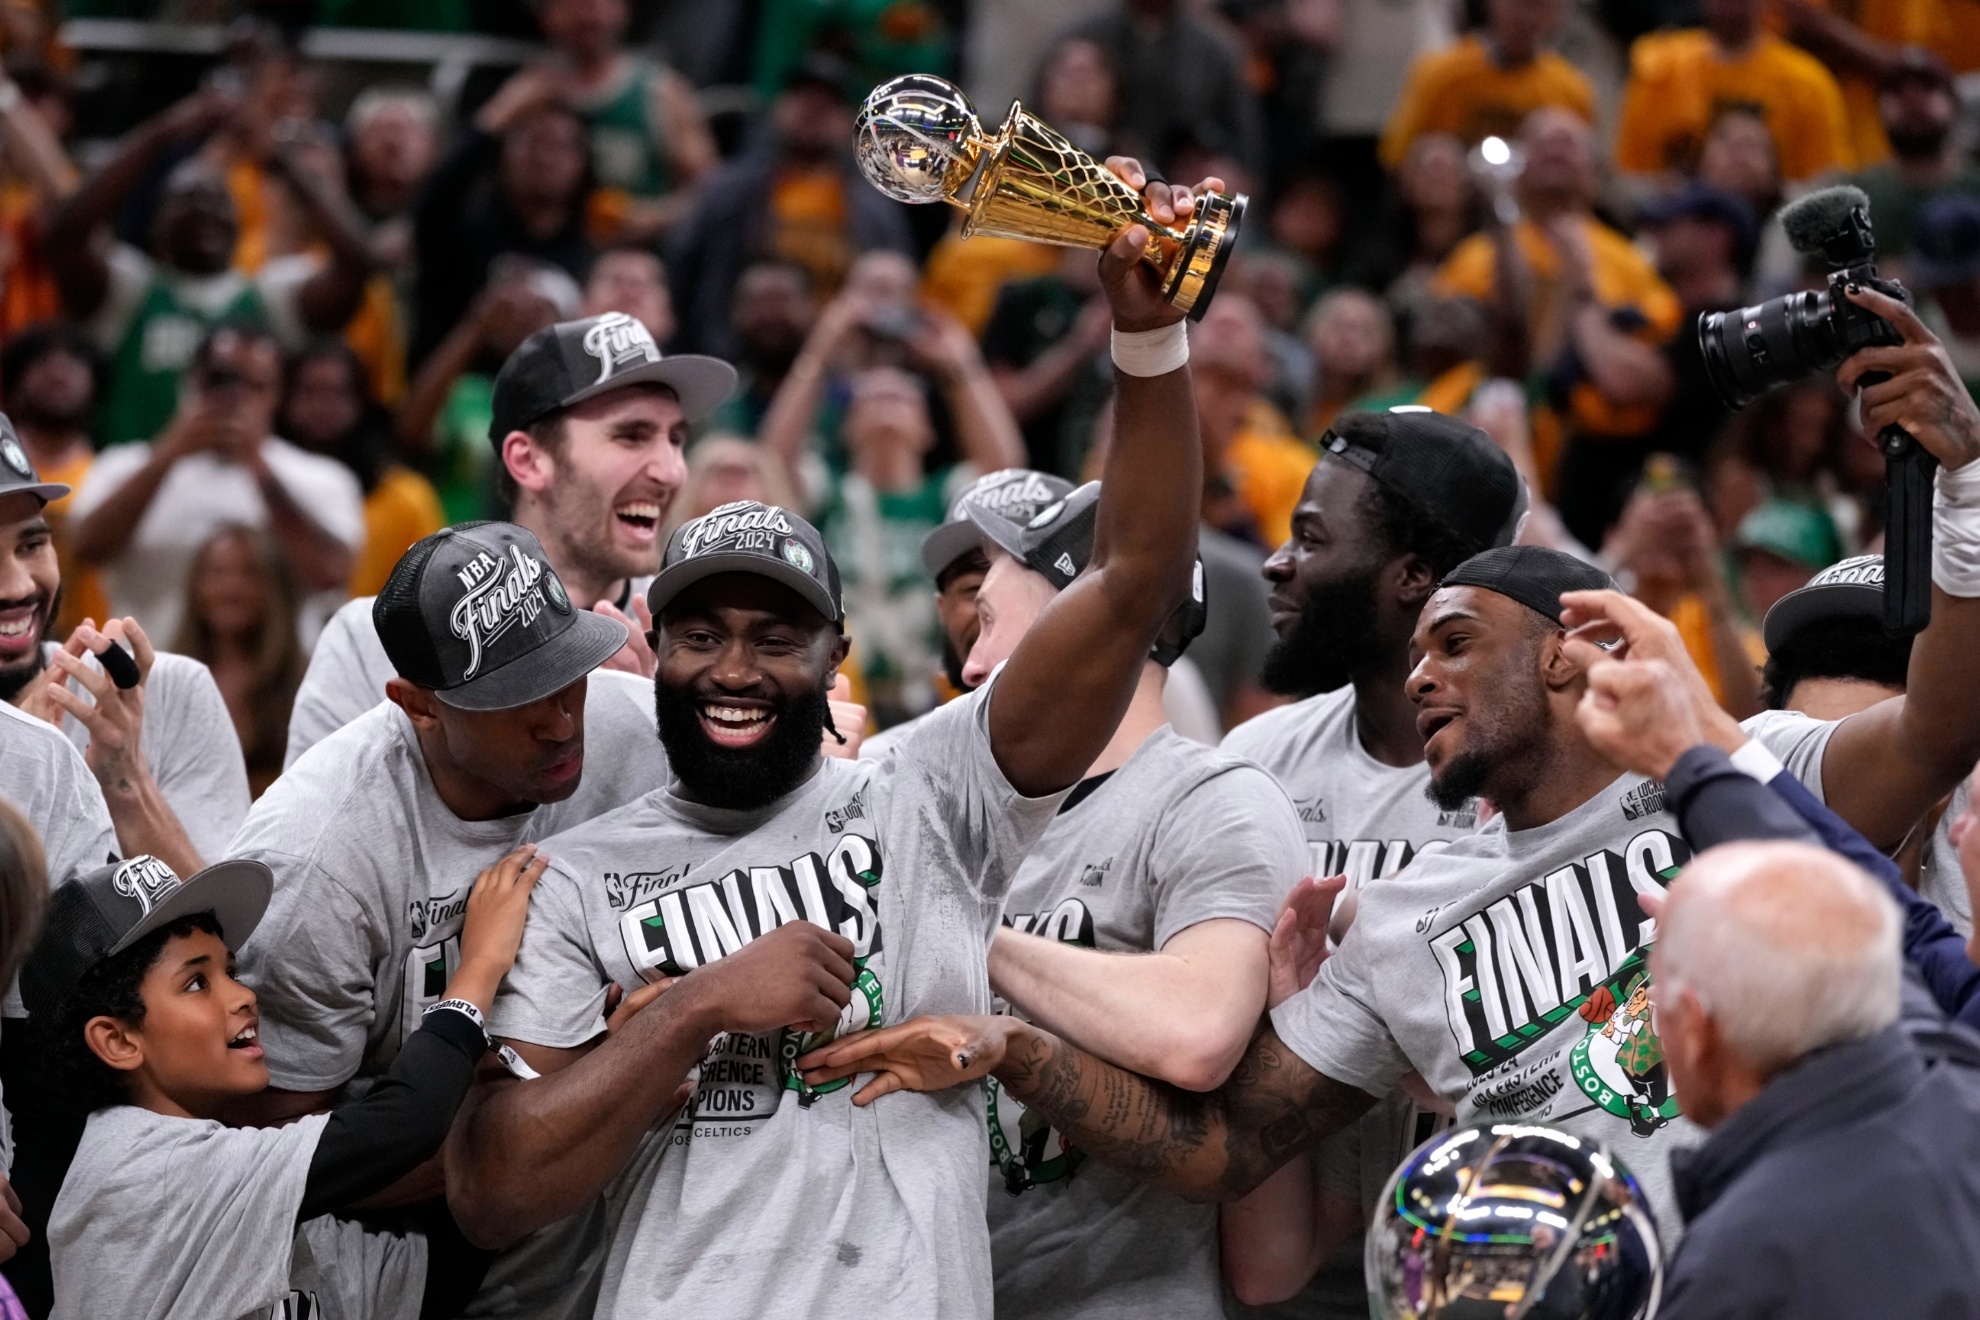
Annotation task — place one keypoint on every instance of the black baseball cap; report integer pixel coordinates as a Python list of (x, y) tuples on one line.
[(1701, 201), (750, 537), (106, 911), (17, 475), (1851, 588), (1444, 467), (475, 613), (1533, 575), (564, 364), (1057, 544), (1018, 494)]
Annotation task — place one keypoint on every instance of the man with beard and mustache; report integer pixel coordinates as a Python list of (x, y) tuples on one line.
[(954, 556), (1397, 500), (163, 750), (495, 732), (590, 468), (765, 1196), (1918, 103)]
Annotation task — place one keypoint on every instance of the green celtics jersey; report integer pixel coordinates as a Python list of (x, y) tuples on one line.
[(626, 133), (156, 346)]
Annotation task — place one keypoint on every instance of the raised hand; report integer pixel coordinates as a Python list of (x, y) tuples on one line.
[(114, 716), (636, 656), (491, 933), (798, 975), (1299, 938), (1638, 715), (1924, 394), (1644, 635), (926, 1054), (1133, 288)]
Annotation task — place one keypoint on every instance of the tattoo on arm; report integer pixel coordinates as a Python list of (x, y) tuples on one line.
[(1215, 1146)]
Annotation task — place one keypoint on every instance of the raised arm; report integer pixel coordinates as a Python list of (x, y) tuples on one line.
[(330, 297), (1213, 1147), (75, 243), (985, 428), (1887, 766), (1064, 691)]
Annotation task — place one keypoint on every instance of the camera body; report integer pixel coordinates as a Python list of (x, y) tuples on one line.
[(1756, 349)]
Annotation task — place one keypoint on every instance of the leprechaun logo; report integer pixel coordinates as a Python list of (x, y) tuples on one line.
[(1028, 1150), (1619, 1064)]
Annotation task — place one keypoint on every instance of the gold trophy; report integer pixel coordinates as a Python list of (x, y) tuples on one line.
[(919, 140)]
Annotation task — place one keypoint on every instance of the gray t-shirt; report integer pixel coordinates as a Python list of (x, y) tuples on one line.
[(164, 1218), (372, 874), (769, 1198), (191, 747), (1510, 970), (1179, 834), (1940, 876)]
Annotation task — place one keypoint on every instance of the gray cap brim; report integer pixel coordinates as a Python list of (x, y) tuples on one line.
[(236, 893), (948, 543), (1811, 604), (702, 384), (49, 491), (998, 530), (673, 581), (589, 642)]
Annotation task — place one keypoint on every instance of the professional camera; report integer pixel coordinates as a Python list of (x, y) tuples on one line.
[(1755, 349)]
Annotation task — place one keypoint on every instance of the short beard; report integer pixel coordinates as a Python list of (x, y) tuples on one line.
[(1925, 144), (1462, 780), (741, 779), (952, 665), (31, 415), (15, 678), (1331, 641)]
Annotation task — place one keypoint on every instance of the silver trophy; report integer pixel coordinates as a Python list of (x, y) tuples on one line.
[(1510, 1221), (1496, 164)]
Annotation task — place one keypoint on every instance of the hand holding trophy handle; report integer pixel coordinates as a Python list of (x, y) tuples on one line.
[(919, 140)]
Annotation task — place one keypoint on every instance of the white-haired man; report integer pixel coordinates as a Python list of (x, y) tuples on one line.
[(1836, 1149)]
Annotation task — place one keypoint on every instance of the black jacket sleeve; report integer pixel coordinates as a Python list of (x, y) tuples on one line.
[(371, 1142), (1716, 802)]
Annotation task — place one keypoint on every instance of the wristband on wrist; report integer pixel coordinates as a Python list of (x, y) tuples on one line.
[(465, 1009), (1151, 352), (1956, 531)]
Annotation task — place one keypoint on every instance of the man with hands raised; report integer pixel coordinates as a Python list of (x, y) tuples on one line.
[(767, 1195), (1508, 968)]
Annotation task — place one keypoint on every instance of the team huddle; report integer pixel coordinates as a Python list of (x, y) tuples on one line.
[(576, 967)]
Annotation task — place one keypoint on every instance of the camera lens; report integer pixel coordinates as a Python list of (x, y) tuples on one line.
[(1754, 349)]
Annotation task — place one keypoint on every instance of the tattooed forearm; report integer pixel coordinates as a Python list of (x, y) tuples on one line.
[(1213, 1146)]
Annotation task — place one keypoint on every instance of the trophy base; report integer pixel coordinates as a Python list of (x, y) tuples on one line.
[(1207, 247)]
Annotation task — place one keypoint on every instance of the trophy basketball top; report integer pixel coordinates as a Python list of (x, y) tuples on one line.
[(913, 132)]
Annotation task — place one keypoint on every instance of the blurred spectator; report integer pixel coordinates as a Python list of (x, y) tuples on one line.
[(1306, 222), (722, 469), (240, 622), (772, 314), (1576, 306), (1702, 240), (631, 280), (1372, 50), (50, 379), (38, 176), (450, 406), (1444, 366), (799, 197), (1489, 82), (1006, 44), (650, 145), (1079, 95), (1678, 80), (1180, 75), (1665, 552), (1353, 339), (1429, 207), (1780, 546), (150, 312), (515, 183), (1945, 266), (1274, 281), (875, 513), (1046, 347), (277, 106), (1920, 109), (1789, 436), (1739, 157), (327, 409), (877, 39), (392, 140), (147, 508), (1254, 467), (1864, 45)]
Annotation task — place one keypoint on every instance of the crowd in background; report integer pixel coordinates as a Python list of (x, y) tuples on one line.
[(258, 330)]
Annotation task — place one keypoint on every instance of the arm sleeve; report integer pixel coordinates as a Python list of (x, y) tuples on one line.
[(194, 754), (1233, 848), (554, 996), (346, 677), (400, 1121), (1334, 1027)]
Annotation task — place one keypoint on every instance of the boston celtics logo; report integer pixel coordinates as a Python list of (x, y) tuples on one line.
[(1619, 1064), (798, 557), (1029, 1151), (863, 1012)]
